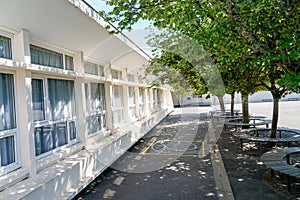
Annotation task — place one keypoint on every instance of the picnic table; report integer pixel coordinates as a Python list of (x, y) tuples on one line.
[(218, 113), (293, 136), (237, 122), (279, 160)]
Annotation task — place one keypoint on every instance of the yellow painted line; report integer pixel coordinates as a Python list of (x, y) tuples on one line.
[(148, 147)]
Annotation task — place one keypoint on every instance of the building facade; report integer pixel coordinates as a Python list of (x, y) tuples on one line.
[(73, 98)]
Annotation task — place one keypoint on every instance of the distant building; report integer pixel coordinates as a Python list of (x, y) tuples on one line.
[(262, 96), (197, 100), (71, 98)]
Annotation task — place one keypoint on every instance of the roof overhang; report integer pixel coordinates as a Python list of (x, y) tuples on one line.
[(73, 25)]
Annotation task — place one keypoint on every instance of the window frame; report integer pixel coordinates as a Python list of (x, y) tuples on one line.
[(90, 112), (99, 67), (119, 108), (49, 122), (10, 46), (130, 77), (141, 102), (116, 72), (14, 132), (64, 56), (132, 106)]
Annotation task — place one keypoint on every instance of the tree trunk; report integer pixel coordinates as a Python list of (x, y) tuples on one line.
[(221, 101), (232, 104), (245, 107), (275, 116)]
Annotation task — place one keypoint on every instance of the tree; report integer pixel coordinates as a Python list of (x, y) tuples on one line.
[(242, 35), (189, 59), (172, 70)]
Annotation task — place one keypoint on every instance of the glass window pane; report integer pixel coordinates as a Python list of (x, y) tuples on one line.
[(50, 137), (118, 96), (90, 68), (118, 116), (7, 102), (61, 98), (7, 150), (5, 47), (46, 57), (72, 130), (95, 97), (141, 101), (116, 74), (101, 70), (38, 99), (94, 124), (102, 97), (130, 77), (69, 65), (87, 99), (131, 99), (96, 103)]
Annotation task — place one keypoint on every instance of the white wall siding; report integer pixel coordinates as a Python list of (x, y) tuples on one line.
[(74, 158)]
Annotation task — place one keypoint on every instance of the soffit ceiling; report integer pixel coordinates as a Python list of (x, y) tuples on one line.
[(60, 23)]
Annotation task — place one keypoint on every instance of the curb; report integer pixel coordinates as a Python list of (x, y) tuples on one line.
[(220, 175)]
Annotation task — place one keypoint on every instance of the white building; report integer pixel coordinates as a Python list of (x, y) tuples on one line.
[(71, 98), (262, 96)]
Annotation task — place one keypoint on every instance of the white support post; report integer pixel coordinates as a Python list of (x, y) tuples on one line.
[(108, 99), (146, 106), (25, 120), (22, 47), (81, 108), (79, 62), (151, 100), (125, 97)]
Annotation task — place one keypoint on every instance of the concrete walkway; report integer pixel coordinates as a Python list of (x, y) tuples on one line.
[(173, 161), (178, 159)]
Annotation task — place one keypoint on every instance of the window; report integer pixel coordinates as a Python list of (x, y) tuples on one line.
[(117, 104), (141, 102), (116, 74), (140, 79), (130, 77), (149, 99), (8, 126), (61, 97), (38, 100), (5, 47), (50, 58), (45, 57), (96, 109), (155, 93), (56, 127), (90, 68), (159, 98), (94, 69), (131, 102), (69, 65)]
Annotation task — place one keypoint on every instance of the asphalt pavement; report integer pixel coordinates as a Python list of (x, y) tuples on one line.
[(171, 162), (178, 159)]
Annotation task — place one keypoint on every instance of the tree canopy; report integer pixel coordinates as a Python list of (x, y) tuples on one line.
[(254, 43)]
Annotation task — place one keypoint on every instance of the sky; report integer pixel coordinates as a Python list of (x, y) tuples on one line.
[(138, 33), (101, 5)]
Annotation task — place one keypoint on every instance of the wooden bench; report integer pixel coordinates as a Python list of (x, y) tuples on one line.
[(279, 160), (244, 136)]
